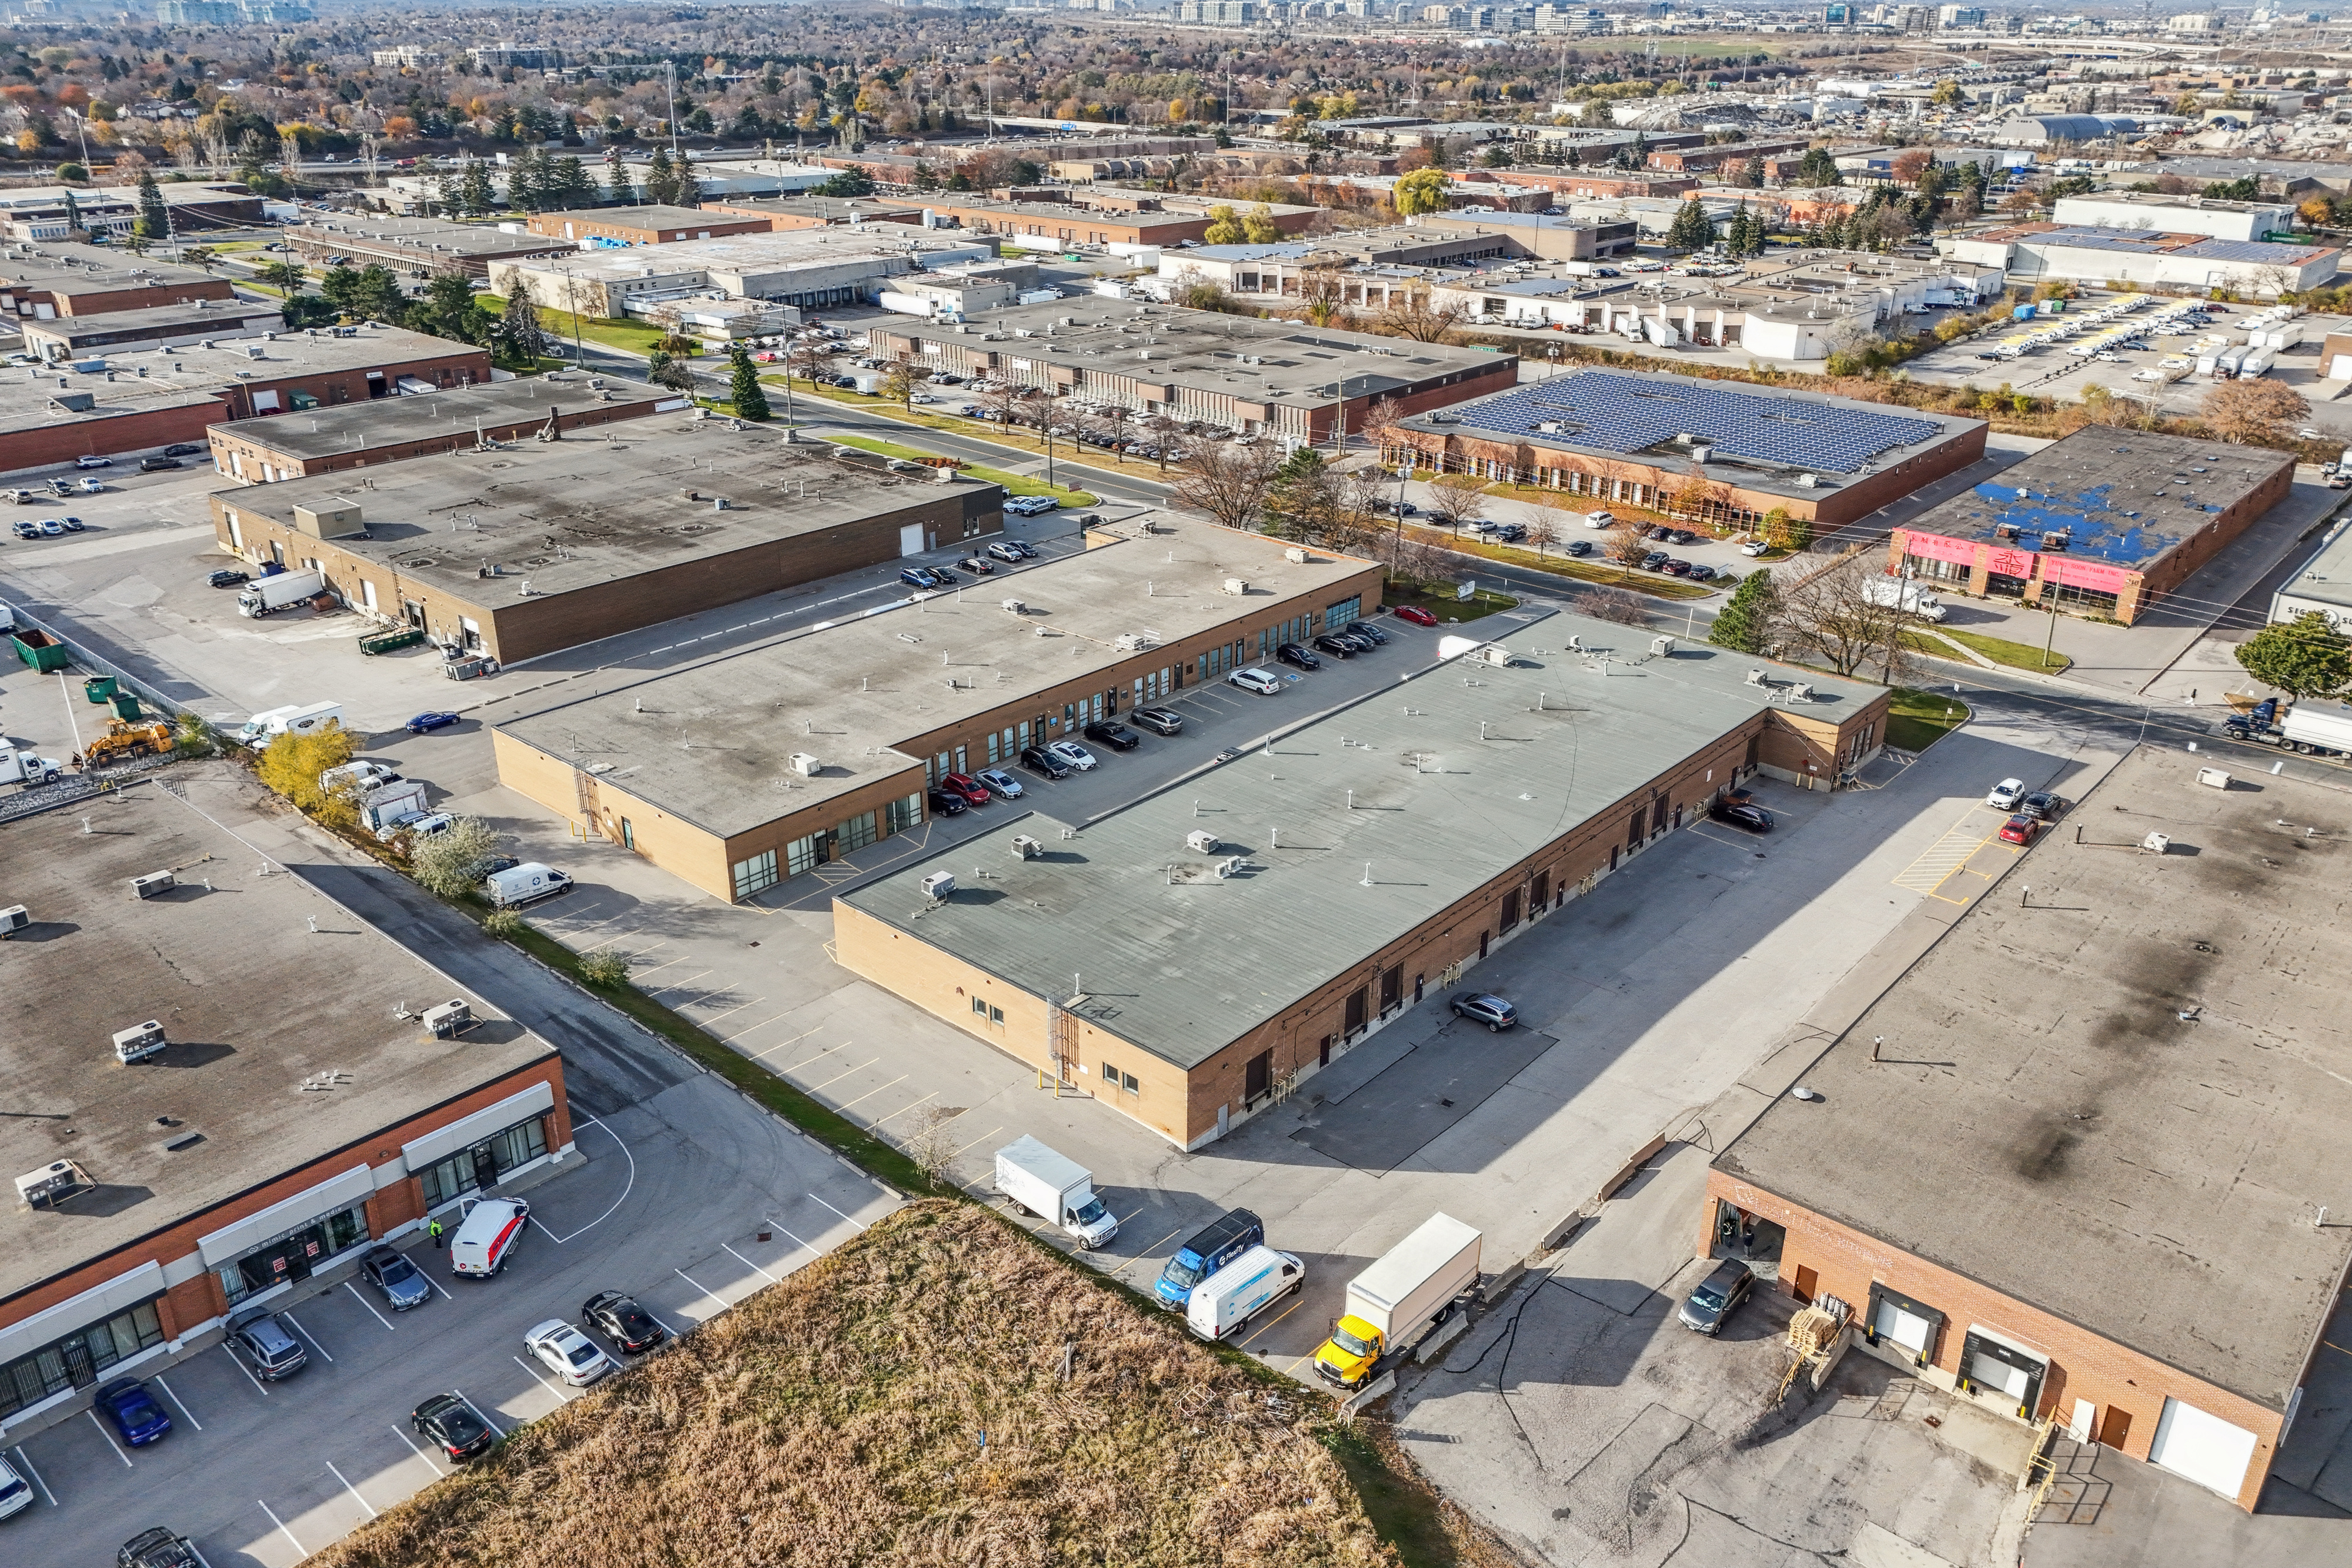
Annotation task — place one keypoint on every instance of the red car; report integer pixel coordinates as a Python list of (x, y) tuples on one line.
[(1416, 614), (2020, 829), (971, 789)]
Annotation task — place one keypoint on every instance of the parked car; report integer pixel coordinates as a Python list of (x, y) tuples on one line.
[(978, 565), (451, 1422), (1573, 547), (1480, 1007), (943, 804), (1741, 815), (227, 577), (1337, 646), (1417, 615), (946, 578), (428, 824), (402, 1283), (1729, 1283), (2020, 829), (2042, 805), (1158, 720), (1654, 560), (133, 1413), (158, 1548), (1117, 737), (1682, 536), (1264, 682), (1074, 754), (261, 1342), (620, 1319), (1510, 533), (26, 528), (1396, 508), (972, 790), (2006, 794), (158, 465), (16, 1497), (1000, 784), (425, 723), (919, 577), (1753, 547), (87, 460), (1699, 573), (1028, 551), (188, 448), (569, 1353), (1297, 654), (1038, 759), (1601, 519), (1675, 567), (1010, 553)]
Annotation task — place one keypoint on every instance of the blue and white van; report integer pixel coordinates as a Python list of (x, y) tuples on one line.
[(1218, 1243), (1237, 1292)]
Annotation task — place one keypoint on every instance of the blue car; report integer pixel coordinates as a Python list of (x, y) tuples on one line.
[(919, 577), (425, 722), (136, 1416)]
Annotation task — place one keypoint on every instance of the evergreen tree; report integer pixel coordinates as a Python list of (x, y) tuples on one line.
[(1745, 624), (660, 189), (1691, 228), (153, 221), (518, 339), (684, 190), (524, 184), (73, 214), (449, 309), (743, 388), (618, 188), (475, 197), (452, 193)]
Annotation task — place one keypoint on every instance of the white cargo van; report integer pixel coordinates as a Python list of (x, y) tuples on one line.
[(525, 883), (487, 1236), (1241, 1290)]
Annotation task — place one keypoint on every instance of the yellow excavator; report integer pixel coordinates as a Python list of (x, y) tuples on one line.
[(125, 739)]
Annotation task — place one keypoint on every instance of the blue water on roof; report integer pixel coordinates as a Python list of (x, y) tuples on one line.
[(2096, 529), (1626, 414)]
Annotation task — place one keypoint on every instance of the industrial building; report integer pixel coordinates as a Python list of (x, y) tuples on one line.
[(1721, 451), (2104, 522), (1594, 235), (414, 247), (41, 281), (1194, 956), (43, 213), (2031, 253), (2323, 583), (1294, 382), (785, 214), (179, 1148), (1103, 219), (652, 224), (2150, 210), (268, 450), (2079, 1163), (64, 339), (520, 548), (129, 401), (818, 269), (759, 767)]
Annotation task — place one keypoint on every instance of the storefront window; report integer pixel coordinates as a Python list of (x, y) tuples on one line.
[(296, 1255), (77, 1359), (484, 1164), (756, 874)]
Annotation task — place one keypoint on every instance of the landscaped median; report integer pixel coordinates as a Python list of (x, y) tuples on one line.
[(1017, 439), (1938, 639), (1584, 569), (1015, 483)]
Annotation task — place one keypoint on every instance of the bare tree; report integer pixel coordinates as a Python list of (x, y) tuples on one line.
[(1628, 549), (1543, 527), (1382, 426), (1228, 482), (807, 358), (1456, 500), (1626, 608), (901, 380), (1830, 614), (1115, 420), (1323, 290), (1165, 428), (1415, 313)]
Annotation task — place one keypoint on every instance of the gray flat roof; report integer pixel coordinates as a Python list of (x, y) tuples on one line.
[(254, 1002), (63, 266), (425, 233), (2122, 497), (333, 429), (645, 215), (602, 507), (1430, 789), (832, 209), (164, 321), (2323, 583), (2043, 1121), (713, 743)]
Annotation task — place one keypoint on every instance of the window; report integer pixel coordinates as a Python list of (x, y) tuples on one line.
[(1347, 609), (1124, 1083), (757, 875), (907, 813), (992, 1016), (854, 834), (628, 835), (502, 1152), (801, 856), (76, 1361), (296, 1255)]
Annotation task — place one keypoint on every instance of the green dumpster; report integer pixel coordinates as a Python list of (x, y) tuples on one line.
[(97, 688), (126, 706), (41, 650), (389, 641)]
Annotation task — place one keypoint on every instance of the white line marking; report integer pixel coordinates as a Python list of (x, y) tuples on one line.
[(438, 1286), (257, 1386), (869, 1094), (543, 1382), (816, 1250), (665, 1327), (851, 1219), (664, 963), (27, 1463), (352, 1490), (109, 1439), (748, 1263), (283, 1530), (773, 1048), (415, 1450), (479, 1412), (805, 1062), (304, 1329), (875, 1124), (989, 1133), (842, 1075), (363, 1300), (543, 1230), (739, 1006), (689, 1279), (678, 985), (625, 1186), (183, 1403)]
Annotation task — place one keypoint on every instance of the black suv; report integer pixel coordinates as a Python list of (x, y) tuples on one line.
[(1038, 759), (622, 1321), (1338, 647), (158, 1548), (1117, 737), (946, 805), (1296, 653), (1365, 629)]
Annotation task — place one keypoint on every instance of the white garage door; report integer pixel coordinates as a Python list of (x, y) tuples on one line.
[(910, 540), (2204, 1449)]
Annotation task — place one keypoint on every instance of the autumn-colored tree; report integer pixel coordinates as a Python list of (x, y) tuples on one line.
[(2255, 411)]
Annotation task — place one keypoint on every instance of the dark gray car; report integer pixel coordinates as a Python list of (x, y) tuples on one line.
[(1730, 1283), (263, 1343), (1480, 1007), (402, 1283)]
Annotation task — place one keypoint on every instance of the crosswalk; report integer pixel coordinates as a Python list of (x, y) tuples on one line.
[(1947, 854)]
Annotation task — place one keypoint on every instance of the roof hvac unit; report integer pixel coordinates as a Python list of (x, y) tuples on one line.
[(450, 1019), (1131, 641), (1808, 481), (1236, 586), (51, 1181), (154, 882), (939, 885), (1296, 556), (2212, 778), (13, 919), (1661, 646), (1493, 653), (2157, 843), (806, 766), (1201, 841), (138, 1042), (1025, 847), (1758, 678), (1014, 606), (1801, 693)]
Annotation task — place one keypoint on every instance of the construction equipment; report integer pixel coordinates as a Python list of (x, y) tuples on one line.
[(124, 740)]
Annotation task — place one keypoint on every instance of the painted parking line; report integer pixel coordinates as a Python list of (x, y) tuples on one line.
[(363, 1300), (838, 1077), (418, 1451), (627, 1186), (352, 1490), (1145, 1255), (748, 1263), (773, 1048), (479, 1413), (1263, 1327), (438, 1285), (541, 1380), (304, 1329), (876, 1124), (258, 1386), (26, 1464), (731, 1039), (183, 1403), (796, 1240), (678, 985), (860, 1223), (280, 1523), (109, 1439), (982, 1139), (714, 1018), (683, 1275), (869, 1094)]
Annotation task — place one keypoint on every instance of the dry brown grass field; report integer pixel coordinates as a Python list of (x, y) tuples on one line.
[(838, 1418)]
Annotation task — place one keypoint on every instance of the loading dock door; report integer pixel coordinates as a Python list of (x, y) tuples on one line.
[(2202, 1449), (910, 540)]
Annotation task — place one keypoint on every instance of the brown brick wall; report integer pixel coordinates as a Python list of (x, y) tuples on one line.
[(1844, 1262), (106, 301), (195, 1300), (781, 223), (251, 443), (618, 225), (63, 442), (462, 366)]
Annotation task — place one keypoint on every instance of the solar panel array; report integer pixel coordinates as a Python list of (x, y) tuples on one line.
[(1631, 413)]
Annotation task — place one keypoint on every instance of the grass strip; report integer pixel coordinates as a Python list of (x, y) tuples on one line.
[(627, 337), (1015, 439), (2001, 651), (1445, 603), (1916, 719), (1601, 573), (1015, 483)]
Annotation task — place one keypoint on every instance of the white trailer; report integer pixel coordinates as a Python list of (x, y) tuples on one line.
[(267, 595), (1055, 1188), (1408, 1290), (2324, 732), (1903, 594)]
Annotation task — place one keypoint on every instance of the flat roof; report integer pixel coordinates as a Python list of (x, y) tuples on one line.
[(2202, 248), (645, 215), (2123, 496), (1761, 439), (751, 251), (44, 398), (2324, 578), (713, 743), (1356, 830), (256, 1004), (163, 321), (2044, 1121), (832, 209), (607, 505), (424, 233), (333, 429), (64, 266)]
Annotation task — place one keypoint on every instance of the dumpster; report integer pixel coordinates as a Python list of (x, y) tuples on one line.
[(126, 707), (462, 669), (389, 642), (41, 650), (99, 688)]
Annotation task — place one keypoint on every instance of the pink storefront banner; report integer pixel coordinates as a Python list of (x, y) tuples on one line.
[(2093, 575), (1935, 547), (2010, 563)]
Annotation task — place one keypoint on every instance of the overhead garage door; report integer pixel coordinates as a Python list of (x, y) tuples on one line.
[(2203, 1448)]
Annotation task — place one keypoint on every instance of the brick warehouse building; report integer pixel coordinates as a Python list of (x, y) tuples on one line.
[(653, 225), (387, 430), (2068, 1166), (763, 766), (40, 282), (521, 551), (1233, 936), (1275, 377), (1716, 449), (2104, 521), (264, 1144)]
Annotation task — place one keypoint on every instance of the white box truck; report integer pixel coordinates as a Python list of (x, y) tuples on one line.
[(1904, 595), (1241, 1290), (1056, 1187), (385, 804), (487, 1236), (2317, 731), (300, 719), (267, 595), (27, 767), (525, 883), (1408, 1290)]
